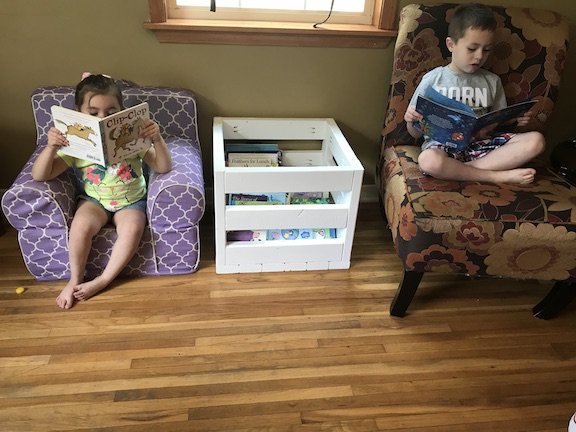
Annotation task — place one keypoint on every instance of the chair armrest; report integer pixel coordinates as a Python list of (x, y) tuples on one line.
[(176, 199), (40, 204)]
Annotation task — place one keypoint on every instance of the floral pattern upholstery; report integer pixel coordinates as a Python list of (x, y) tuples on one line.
[(479, 228), (42, 212)]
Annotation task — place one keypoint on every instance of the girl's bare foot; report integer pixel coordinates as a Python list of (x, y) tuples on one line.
[(87, 289), (66, 298)]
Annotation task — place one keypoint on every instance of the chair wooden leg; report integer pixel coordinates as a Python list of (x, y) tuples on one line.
[(405, 293), (561, 294)]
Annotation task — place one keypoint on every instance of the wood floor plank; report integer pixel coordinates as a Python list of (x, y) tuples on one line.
[(149, 410), (284, 352), (518, 418)]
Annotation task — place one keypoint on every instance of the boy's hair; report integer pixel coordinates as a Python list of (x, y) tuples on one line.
[(98, 85), (471, 15)]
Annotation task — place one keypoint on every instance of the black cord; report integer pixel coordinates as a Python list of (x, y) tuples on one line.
[(212, 5), (327, 18)]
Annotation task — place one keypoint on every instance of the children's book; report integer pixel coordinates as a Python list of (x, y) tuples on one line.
[(301, 234), (252, 148), (249, 147), (311, 198), (271, 198), (105, 141), (454, 124), (252, 159), (246, 235)]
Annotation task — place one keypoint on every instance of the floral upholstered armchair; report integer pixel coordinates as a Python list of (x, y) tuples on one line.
[(478, 228), (42, 212)]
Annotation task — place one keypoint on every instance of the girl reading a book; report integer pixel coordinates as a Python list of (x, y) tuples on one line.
[(112, 194)]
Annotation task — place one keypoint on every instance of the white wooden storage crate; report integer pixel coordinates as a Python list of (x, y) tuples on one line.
[(333, 167)]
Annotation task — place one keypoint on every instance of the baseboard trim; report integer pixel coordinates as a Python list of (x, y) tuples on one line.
[(369, 193)]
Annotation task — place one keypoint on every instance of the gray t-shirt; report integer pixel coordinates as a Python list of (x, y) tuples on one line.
[(482, 91)]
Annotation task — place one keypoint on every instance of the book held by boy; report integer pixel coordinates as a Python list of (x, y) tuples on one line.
[(454, 123), (105, 141)]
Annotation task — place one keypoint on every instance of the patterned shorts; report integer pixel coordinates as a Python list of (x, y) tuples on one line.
[(475, 150)]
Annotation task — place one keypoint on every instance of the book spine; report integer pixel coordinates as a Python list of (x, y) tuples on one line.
[(104, 147)]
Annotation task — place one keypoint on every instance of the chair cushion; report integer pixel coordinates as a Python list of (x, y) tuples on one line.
[(523, 231)]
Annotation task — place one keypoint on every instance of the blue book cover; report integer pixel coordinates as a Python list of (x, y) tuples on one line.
[(242, 147), (454, 124)]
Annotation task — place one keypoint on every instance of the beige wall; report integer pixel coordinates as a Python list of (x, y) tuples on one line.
[(53, 42)]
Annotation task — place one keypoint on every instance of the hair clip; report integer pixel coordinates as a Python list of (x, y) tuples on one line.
[(87, 74)]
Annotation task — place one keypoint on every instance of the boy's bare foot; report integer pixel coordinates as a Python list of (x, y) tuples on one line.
[(66, 298), (87, 289), (518, 176)]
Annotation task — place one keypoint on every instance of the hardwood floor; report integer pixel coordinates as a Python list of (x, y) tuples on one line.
[(279, 352)]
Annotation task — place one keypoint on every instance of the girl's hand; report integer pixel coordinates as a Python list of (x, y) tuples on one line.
[(56, 139), (412, 115), (150, 130)]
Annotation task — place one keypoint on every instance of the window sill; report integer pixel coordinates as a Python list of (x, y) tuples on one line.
[(270, 33)]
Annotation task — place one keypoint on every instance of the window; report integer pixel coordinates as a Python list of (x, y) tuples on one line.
[(312, 11), (353, 23)]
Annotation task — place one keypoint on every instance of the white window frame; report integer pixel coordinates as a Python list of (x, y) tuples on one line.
[(235, 32), (364, 17)]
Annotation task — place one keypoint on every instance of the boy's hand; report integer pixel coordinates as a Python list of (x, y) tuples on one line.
[(412, 115), (150, 130), (56, 139), (523, 121)]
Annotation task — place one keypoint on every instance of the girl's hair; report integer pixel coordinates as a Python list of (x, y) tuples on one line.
[(97, 85), (471, 15)]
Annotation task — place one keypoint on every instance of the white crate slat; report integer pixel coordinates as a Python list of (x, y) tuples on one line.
[(302, 158), (274, 129), (288, 179), (284, 251), (291, 216)]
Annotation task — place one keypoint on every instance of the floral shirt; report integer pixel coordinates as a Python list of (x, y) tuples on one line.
[(115, 186)]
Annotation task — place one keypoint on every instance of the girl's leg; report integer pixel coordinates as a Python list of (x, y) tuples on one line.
[(88, 220), (130, 225)]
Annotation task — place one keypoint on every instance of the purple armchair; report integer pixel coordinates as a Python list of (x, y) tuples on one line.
[(42, 212)]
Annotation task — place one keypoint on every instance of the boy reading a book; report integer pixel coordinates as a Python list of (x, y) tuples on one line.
[(497, 159), (112, 194)]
